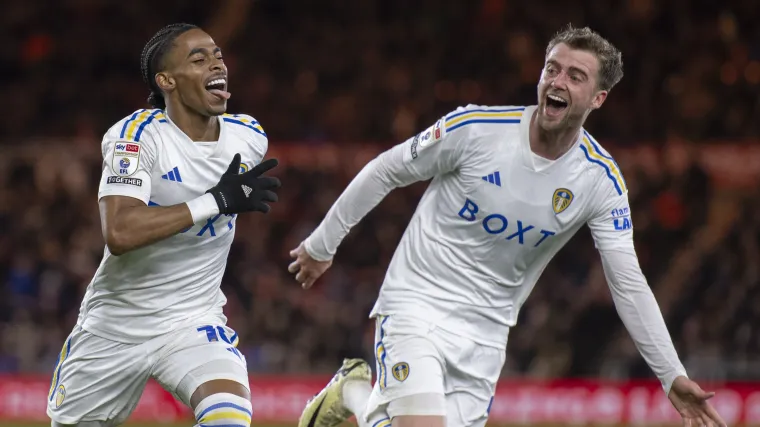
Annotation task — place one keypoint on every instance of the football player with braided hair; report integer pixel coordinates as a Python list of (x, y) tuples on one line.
[(174, 179)]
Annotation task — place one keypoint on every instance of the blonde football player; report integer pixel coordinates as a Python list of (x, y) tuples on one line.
[(174, 178), (510, 186)]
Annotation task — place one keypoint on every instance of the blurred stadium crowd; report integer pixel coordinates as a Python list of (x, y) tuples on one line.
[(349, 72), (380, 70)]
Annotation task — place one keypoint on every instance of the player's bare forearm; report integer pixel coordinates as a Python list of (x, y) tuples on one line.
[(129, 224)]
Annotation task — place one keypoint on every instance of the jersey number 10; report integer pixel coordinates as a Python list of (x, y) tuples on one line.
[(214, 334)]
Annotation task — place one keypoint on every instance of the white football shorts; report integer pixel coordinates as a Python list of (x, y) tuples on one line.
[(416, 357), (97, 379)]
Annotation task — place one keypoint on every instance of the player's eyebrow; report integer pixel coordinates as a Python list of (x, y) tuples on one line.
[(202, 50), (570, 69), (578, 70)]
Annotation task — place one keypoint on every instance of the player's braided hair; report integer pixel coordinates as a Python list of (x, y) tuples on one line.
[(151, 60)]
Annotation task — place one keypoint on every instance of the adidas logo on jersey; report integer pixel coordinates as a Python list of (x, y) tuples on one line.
[(172, 175), (247, 190), (493, 178)]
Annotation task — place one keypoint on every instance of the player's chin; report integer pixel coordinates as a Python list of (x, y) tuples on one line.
[(550, 121), (216, 108), (215, 105)]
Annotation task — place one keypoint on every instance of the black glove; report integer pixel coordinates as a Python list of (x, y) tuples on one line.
[(245, 192)]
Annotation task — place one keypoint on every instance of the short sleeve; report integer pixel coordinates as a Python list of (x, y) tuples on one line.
[(127, 167)]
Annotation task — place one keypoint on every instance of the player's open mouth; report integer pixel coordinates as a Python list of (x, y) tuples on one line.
[(555, 105), (218, 87)]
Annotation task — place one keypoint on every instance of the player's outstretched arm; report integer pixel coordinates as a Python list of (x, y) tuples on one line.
[(366, 190), (430, 153), (129, 224), (643, 319), (636, 305)]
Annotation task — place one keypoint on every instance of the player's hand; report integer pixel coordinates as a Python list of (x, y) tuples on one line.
[(307, 269), (691, 402), (245, 192)]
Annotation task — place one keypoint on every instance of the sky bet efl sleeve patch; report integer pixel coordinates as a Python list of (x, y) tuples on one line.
[(428, 137), (126, 157)]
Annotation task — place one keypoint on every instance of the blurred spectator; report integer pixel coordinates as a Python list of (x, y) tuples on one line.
[(379, 71), (51, 246), (373, 70)]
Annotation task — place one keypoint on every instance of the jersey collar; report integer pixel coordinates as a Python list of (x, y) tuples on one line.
[(526, 154), (218, 150)]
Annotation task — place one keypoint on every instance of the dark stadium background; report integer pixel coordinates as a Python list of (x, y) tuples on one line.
[(334, 83)]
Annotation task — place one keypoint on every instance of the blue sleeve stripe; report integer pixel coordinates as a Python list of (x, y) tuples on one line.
[(596, 147), (503, 110), (145, 123), (599, 151), (223, 405), (238, 122), (124, 128), (253, 121), (467, 122), (606, 168)]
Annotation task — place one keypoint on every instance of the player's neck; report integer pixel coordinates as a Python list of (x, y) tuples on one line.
[(196, 126), (551, 144)]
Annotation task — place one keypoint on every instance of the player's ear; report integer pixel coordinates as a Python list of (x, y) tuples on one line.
[(598, 99), (165, 81)]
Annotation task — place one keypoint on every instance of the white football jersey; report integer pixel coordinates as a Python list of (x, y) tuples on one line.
[(166, 285), (490, 221), (493, 217)]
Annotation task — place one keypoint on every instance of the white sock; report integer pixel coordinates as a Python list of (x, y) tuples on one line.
[(355, 397)]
